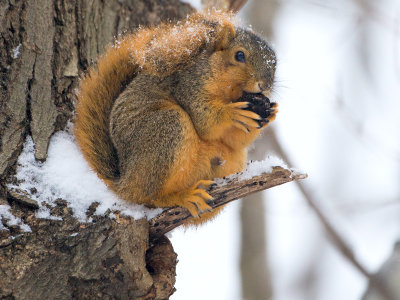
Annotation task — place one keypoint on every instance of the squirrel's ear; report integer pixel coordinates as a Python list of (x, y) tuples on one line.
[(225, 36)]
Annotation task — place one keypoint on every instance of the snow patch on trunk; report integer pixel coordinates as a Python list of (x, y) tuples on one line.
[(66, 175)]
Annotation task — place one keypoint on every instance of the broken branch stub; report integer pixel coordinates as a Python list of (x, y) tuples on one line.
[(231, 189)]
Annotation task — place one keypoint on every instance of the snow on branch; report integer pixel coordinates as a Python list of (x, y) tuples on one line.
[(230, 189), (65, 175)]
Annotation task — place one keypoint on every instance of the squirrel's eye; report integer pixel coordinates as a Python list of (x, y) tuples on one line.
[(239, 56)]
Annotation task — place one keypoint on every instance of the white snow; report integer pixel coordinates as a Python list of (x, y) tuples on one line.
[(16, 51), (254, 168), (11, 220), (259, 167), (66, 175)]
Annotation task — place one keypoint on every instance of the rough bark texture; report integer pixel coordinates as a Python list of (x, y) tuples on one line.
[(100, 260), (44, 47)]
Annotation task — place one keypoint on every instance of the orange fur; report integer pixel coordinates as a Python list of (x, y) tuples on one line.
[(216, 149), (97, 92)]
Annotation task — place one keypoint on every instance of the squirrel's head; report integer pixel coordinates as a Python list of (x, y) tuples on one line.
[(245, 63)]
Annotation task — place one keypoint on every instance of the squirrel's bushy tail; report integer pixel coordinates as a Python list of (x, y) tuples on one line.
[(97, 93)]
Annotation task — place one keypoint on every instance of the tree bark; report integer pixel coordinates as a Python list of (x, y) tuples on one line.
[(66, 259), (44, 47)]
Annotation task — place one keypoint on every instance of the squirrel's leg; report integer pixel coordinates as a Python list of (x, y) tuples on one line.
[(191, 173)]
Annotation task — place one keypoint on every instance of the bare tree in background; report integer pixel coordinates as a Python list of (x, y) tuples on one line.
[(255, 274), (250, 210)]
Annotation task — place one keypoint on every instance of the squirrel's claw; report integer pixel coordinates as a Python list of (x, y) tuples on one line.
[(205, 183), (194, 199), (241, 126), (202, 193), (243, 104), (244, 119), (198, 206), (272, 114)]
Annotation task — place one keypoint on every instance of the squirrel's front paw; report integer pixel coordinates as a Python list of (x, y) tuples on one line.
[(261, 106), (242, 118), (272, 111), (194, 198)]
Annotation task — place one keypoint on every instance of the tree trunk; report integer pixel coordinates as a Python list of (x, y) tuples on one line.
[(44, 46), (254, 266)]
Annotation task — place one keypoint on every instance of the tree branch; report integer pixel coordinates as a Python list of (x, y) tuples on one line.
[(231, 190)]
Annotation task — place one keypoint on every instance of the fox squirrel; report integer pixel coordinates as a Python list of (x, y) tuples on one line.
[(162, 115)]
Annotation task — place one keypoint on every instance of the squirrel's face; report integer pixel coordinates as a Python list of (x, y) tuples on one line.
[(247, 64)]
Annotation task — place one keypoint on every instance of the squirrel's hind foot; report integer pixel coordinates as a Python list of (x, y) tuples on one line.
[(193, 199)]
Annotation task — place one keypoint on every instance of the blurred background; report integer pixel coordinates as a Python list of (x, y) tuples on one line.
[(333, 237)]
